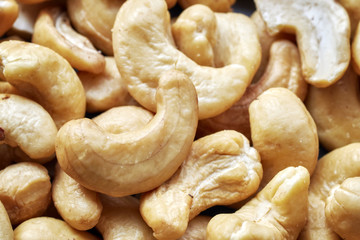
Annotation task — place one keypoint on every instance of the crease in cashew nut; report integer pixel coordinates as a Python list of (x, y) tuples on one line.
[(342, 208), (283, 70), (41, 74), (6, 230), (136, 161), (144, 48), (196, 229), (216, 6), (335, 111), (283, 132), (332, 169), (9, 11), (324, 59), (52, 29), (355, 50), (45, 228), (221, 169), (278, 211)]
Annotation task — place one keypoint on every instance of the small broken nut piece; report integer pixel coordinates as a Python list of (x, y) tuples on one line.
[(324, 59), (221, 169), (196, 229), (279, 211), (6, 230), (136, 161), (342, 209), (9, 11), (216, 6), (52, 29)]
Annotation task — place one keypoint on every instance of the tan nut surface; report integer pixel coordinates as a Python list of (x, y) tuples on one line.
[(45, 228), (196, 229), (331, 170), (279, 211), (355, 50), (144, 48), (52, 29), (9, 11), (221, 169), (217, 6), (352, 7), (136, 161), (23, 123), (25, 190), (45, 76), (335, 111), (6, 230), (324, 59), (342, 208), (283, 70), (283, 132)]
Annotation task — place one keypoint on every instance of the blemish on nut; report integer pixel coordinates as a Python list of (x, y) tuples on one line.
[(190, 195), (5, 97), (2, 134)]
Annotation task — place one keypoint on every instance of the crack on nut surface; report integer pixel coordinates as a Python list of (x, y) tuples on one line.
[(5, 97), (2, 134)]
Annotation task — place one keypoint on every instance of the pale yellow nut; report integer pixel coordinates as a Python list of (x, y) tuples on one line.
[(136, 161), (52, 29), (283, 132), (196, 229), (332, 169), (25, 190), (44, 76), (278, 211), (121, 219), (25, 124), (216, 6), (6, 230), (221, 169), (283, 70), (342, 208), (94, 19), (144, 48), (355, 50), (334, 110), (46, 228), (9, 11), (324, 59), (353, 9)]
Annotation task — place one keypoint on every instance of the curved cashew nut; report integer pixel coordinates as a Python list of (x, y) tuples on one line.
[(52, 29), (45, 228), (138, 161), (278, 211), (332, 169), (324, 59), (342, 209), (144, 48), (196, 229), (283, 70), (216, 6), (43, 75), (9, 11), (221, 169), (283, 132), (6, 230), (355, 50)]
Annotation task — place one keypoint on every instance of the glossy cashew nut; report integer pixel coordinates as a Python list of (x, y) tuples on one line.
[(52, 29), (279, 211), (196, 229), (221, 169), (216, 6), (342, 209), (334, 110), (136, 161), (144, 48), (331, 170), (324, 59), (9, 11), (355, 50), (283, 132), (283, 70), (6, 230), (43, 75)]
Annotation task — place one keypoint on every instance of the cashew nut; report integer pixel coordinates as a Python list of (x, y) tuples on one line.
[(342, 209), (352, 7), (171, 3), (137, 161), (144, 48), (283, 132), (355, 50), (221, 169), (279, 211), (9, 11), (216, 6), (6, 230), (42, 74), (324, 59), (52, 29), (45, 228), (196, 229)]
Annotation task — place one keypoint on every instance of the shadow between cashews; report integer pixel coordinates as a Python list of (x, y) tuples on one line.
[(144, 48), (136, 161), (221, 169)]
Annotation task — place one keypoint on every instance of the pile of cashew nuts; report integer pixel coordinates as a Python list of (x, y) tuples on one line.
[(179, 119)]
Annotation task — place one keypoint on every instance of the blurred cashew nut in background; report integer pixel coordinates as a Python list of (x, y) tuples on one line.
[(9, 10)]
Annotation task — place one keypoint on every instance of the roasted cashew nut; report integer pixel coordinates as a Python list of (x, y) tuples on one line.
[(283, 70), (216, 6), (52, 29), (324, 59), (9, 11), (221, 169), (279, 211), (137, 161), (342, 209), (43, 75), (6, 230), (144, 48)]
